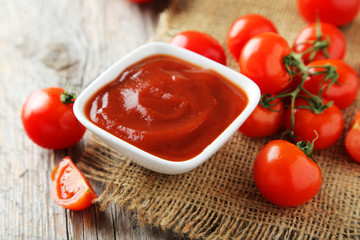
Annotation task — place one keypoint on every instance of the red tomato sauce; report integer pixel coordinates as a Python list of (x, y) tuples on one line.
[(167, 107)]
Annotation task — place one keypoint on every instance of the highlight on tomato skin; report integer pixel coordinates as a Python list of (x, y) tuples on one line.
[(244, 28), (69, 187), (352, 139), (261, 60)]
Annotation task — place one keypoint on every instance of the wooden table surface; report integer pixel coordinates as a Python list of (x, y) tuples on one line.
[(43, 43)]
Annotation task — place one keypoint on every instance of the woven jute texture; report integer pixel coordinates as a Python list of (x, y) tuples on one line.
[(219, 200)]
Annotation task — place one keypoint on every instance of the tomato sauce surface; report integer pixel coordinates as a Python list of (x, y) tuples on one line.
[(167, 107)]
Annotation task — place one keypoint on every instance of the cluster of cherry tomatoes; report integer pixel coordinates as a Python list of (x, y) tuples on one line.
[(304, 88)]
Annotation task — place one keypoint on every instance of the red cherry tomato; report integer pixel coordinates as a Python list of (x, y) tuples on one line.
[(245, 28), (201, 43), (343, 92), (337, 44), (284, 175), (69, 187), (261, 61), (49, 122), (352, 139), (264, 122), (329, 124), (337, 12)]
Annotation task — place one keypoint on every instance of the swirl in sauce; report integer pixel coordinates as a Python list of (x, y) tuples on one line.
[(167, 107)]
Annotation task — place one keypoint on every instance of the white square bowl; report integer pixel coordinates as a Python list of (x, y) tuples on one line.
[(146, 159)]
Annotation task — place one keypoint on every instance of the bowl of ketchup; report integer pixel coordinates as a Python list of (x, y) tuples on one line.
[(168, 109)]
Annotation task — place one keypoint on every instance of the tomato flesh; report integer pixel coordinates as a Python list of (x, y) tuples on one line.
[(69, 187)]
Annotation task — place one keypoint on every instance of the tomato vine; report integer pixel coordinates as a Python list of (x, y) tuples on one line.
[(296, 67)]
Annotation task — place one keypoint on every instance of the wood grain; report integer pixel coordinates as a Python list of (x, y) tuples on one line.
[(46, 43)]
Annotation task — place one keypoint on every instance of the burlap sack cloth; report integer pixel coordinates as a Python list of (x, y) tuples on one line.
[(219, 199)]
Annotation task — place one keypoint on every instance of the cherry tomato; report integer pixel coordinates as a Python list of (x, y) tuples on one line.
[(352, 139), (261, 61), (337, 12), (69, 187), (264, 122), (343, 92), (245, 28), (329, 124), (284, 175), (49, 122), (201, 43), (336, 48)]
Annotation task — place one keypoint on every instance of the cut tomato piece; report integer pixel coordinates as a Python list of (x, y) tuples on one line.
[(69, 187)]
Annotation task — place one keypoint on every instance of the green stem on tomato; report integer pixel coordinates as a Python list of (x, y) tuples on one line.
[(67, 97), (308, 147), (329, 73), (295, 66), (317, 45)]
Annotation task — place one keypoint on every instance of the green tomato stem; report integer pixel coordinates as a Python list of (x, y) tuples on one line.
[(295, 66), (308, 147), (67, 97)]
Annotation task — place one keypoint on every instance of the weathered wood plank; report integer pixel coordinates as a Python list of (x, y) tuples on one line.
[(42, 43)]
